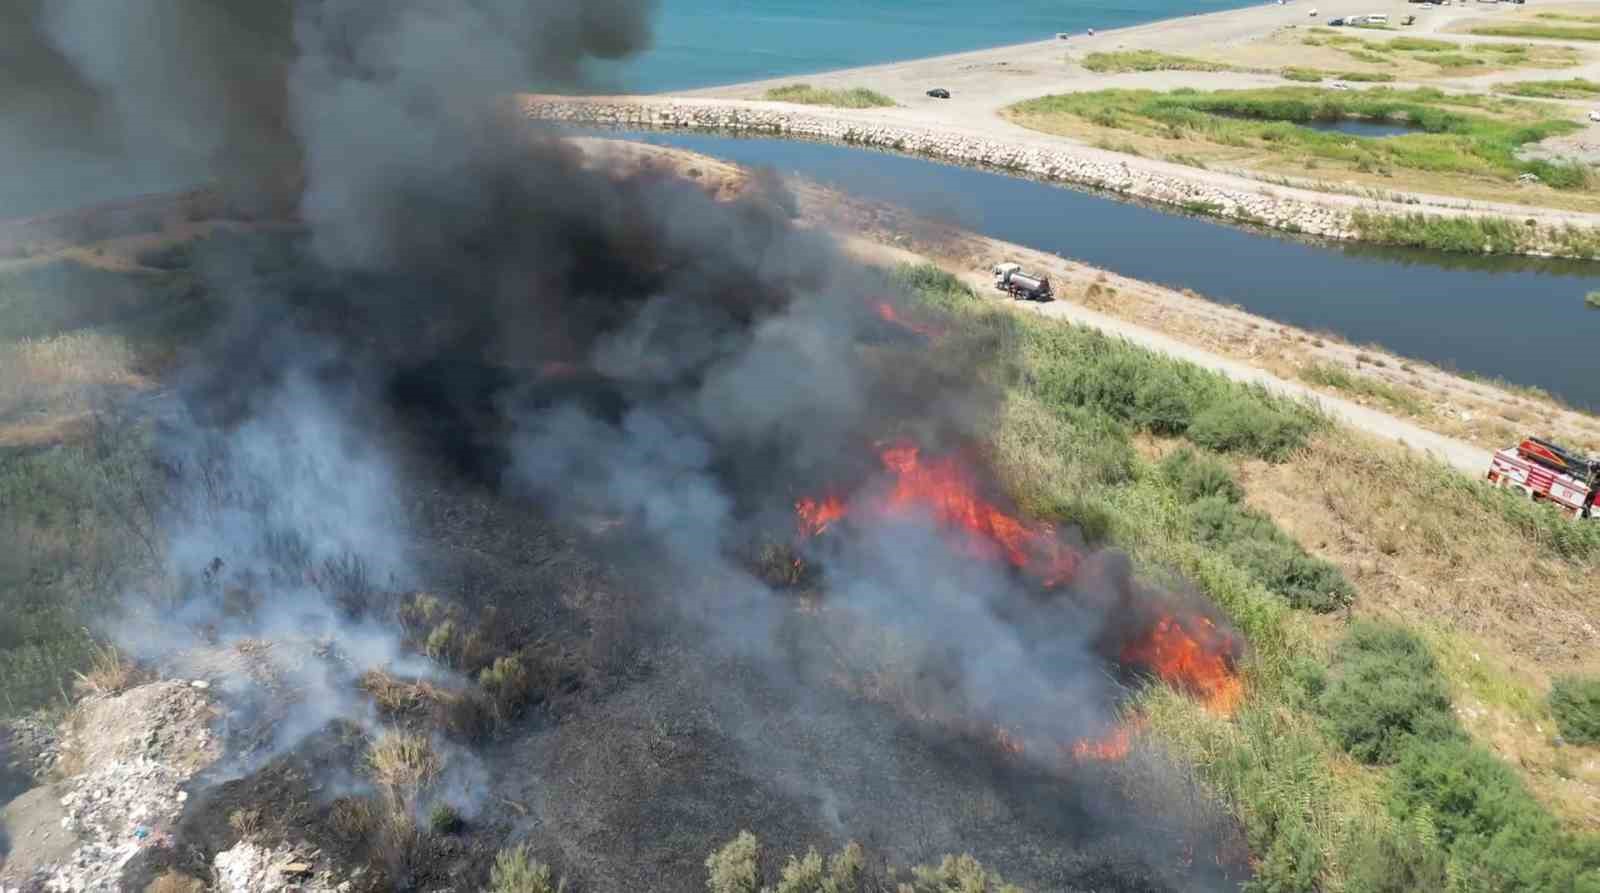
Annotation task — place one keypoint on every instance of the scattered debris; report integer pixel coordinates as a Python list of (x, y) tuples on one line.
[(252, 868)]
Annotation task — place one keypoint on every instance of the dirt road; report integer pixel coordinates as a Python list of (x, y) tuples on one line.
[(1457, 453)]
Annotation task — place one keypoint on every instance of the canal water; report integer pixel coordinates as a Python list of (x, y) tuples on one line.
[(1521, 319)]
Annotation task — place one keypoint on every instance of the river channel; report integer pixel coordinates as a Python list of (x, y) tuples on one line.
[(1520, 319)]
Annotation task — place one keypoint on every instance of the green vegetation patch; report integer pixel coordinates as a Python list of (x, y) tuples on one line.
[(1574, 88), (1567, 17), (853, 98), (1328, 375), (1148, 60), (1575, 703), (76, 527), (1497, 836), (1472, 235), (1553, 32), (1316, 75), (1385, 688), (1463, 135)]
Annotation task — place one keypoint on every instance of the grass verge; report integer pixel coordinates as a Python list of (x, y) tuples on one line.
[(1552, 32), (1341, 379), (1148, 60), (853, 98), (1573, 88), (1316, 75)]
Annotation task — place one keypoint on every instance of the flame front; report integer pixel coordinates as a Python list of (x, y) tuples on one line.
[(888, 314), (1193, 655), (1112, 746), (1188, 652), (944, 488)]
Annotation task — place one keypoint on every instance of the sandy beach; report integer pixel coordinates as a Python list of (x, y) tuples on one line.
[(1259, 41)]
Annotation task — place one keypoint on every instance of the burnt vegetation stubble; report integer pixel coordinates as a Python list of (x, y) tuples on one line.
[(602, 394)]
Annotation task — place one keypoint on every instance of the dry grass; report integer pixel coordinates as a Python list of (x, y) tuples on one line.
[(404, 765), (419, 704), (56, 370), (353, 818), (175, 882), (1502, 613), (110, 672)]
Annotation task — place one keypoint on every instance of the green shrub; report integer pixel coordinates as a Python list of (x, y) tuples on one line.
[(1253, 426), (1305, 75), (1253, 543), (734, 868), (1497, 834), (1575, 701), (1384, 688), (444, 819), (1197, 476), (515, 871)]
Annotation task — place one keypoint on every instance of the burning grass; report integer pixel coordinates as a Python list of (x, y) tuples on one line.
[(1311, 818)]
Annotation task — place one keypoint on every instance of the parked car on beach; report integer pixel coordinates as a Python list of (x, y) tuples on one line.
[(939, 93)]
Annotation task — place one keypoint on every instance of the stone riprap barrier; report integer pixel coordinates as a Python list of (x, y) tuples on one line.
[(1291, 209)]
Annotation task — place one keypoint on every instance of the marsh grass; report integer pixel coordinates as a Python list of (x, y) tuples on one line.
[(1471, 235), (1468, 137), (852, 98)]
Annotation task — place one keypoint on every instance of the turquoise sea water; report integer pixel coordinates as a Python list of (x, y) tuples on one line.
[(701, 43)]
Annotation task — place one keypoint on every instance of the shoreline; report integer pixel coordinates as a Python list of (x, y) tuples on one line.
[(1210, 193), (971, 127)]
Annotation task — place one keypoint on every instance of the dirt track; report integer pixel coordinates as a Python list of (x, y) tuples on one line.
[(1458, 453), (822, 207)]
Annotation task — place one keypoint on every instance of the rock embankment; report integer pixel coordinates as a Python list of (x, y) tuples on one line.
[(1283, 208)]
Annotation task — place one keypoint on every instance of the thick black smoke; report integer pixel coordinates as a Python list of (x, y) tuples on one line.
[(562, 327), (105, 100)]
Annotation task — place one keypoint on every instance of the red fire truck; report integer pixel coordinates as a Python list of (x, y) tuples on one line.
[(1545, 472)]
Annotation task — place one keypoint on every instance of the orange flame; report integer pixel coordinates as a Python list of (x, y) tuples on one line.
[(817, 515), (944, 488), (1110, 747), (887, 312), (1194, 656)]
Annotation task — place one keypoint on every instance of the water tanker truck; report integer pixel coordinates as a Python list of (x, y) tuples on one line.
[(1010, 279)]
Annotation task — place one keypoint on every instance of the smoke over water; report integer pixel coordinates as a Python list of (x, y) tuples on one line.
[(786, 479)]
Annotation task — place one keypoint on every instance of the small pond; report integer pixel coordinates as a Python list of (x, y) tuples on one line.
[(1366, 127)]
